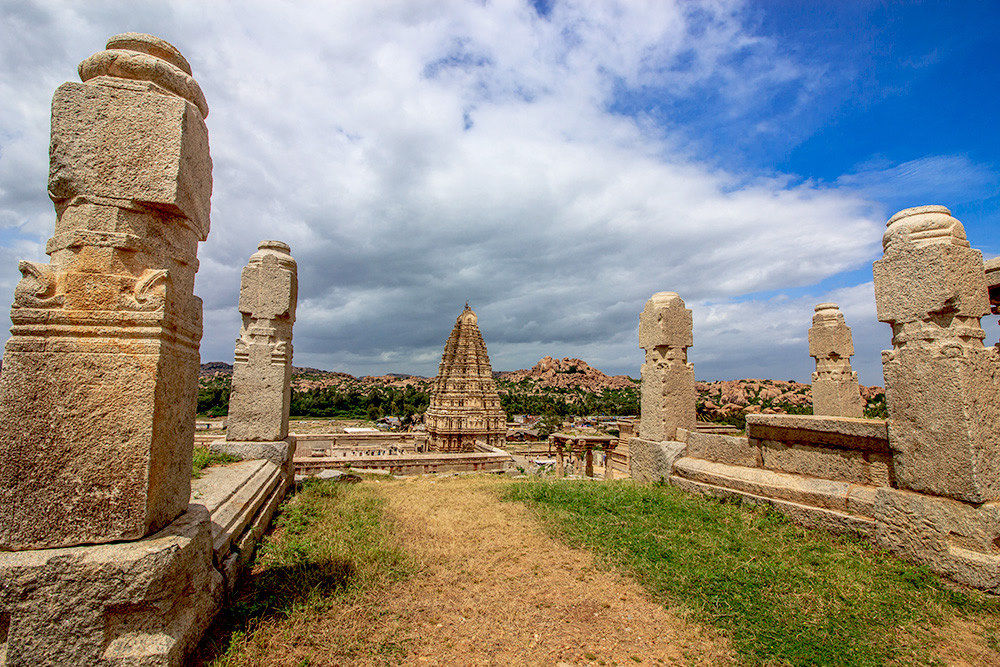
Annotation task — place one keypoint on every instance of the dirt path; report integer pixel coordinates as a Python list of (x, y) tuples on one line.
[(495, 590)]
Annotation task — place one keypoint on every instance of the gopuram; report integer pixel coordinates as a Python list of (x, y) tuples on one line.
[(464, 404)]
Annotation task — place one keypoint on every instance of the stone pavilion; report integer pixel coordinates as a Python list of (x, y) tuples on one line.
[(465, 407)]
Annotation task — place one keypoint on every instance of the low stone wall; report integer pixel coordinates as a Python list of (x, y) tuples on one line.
[(820, 471), (409, 464), (325, 444)]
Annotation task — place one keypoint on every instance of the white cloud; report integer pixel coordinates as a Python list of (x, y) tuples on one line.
[(418, 155)]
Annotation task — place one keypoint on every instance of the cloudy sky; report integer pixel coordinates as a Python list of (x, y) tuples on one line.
[(553, 163)]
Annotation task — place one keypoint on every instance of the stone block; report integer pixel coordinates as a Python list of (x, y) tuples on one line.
[(665, 321), (844, 432), (95, 439), (131, 145), (727, 449), (943, 416), (652, 461), (146, 602), (838, 396), (955, 539), (928, 268), (846, 465), (833, 506)]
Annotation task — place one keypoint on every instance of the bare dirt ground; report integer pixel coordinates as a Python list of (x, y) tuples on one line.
[(493, 589)]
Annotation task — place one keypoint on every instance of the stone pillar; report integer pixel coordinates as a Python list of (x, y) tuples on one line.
[(100, 377), (560, 465), (589, 465), (262, 365), (99, 561), (835, 388), (993, 284), (667, 394), (939, 378)]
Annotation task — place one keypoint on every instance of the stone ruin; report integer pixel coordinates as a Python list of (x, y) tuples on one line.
[(926, 483), (667, 394), (464, 404), (259, 401), (107, 554), (835, 389)]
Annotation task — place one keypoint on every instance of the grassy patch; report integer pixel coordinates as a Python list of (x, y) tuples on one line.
[(784, 594), (204, 458), (330, 547)]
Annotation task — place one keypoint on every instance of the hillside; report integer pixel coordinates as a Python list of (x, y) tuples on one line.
[(558, 386)]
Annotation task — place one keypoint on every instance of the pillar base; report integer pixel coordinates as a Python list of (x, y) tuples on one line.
[(653, 460), (144, 602)]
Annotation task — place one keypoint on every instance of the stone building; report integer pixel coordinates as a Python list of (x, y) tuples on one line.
[(465, 406)]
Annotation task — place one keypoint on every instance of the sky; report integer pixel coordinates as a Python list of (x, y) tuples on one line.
[(554, 163)]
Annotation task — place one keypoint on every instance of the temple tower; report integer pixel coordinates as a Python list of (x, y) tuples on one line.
[(465, 406)]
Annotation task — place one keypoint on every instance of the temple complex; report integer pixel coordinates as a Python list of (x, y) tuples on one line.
[(465, 406)]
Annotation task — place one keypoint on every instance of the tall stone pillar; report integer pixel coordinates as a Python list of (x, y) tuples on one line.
[(835, 389), (667, 395), (99, 561), (993, 284), (943, 402), (100, 376), (941, 388), (262, 366)]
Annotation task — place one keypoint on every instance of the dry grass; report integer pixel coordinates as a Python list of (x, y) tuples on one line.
[(494, 589)]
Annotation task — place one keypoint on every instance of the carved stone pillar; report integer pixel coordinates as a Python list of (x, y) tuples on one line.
[(939, 378), (835, 389), (262, 366), (100, 376), (667, 394)]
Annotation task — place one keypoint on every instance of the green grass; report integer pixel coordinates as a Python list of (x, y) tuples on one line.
[(785, 595), (329, 546), (204, 458)]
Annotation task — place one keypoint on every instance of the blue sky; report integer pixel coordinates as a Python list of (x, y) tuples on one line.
[(553, 163)]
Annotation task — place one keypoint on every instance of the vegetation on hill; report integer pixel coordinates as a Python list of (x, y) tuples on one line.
[(553, 387)]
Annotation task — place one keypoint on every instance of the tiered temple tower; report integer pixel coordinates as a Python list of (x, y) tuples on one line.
[(465, 406)]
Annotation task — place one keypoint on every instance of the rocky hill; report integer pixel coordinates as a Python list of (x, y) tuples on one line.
[(567, 373)]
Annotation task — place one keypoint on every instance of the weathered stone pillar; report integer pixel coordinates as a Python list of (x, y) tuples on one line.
[(993, 284), (667, 395), (99, 561), (835, 389), (560, 464), (589, 465), (257, 426), (100, 376), (943, 404), (942, 395)]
